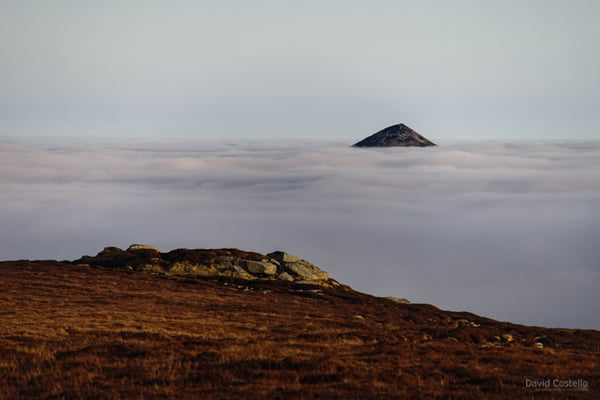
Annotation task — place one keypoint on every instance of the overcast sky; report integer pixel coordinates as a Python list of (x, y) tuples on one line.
[(337, 69)]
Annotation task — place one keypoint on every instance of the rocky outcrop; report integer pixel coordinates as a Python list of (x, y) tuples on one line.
[(210, 262), (395, 135), (265, 267)]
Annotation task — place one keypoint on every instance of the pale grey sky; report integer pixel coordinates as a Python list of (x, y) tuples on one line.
[(317, 69)]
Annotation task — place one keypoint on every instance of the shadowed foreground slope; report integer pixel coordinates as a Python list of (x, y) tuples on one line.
[(73, 331)]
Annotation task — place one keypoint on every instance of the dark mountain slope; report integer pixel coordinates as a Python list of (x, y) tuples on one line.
[(395, 135)]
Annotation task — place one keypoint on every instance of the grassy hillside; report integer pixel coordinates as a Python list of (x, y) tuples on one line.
[(76, 332)]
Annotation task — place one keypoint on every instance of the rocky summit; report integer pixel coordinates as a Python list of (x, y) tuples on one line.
[(232, 263), (395, 135)]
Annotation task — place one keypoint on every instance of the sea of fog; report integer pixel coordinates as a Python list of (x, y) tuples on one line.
[(506, 230)]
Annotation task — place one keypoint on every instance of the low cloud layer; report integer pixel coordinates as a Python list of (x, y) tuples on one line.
[(509, 231)]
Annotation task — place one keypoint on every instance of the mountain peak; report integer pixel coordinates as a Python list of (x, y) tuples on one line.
[(395, 135)]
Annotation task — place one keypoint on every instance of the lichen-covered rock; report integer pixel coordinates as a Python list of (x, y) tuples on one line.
[(110, 251), (298, 267), (284, 276), (238, 272), (135, 247), (260, 267), (283, 257)]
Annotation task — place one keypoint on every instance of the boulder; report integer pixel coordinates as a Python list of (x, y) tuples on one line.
[(298, 267), (283, 257), (109, 251), (398, 300), (239, 272), (135, 247), (259, 267), (284, 276)]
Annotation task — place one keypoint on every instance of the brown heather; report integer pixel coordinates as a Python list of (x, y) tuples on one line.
[(75, 332)]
